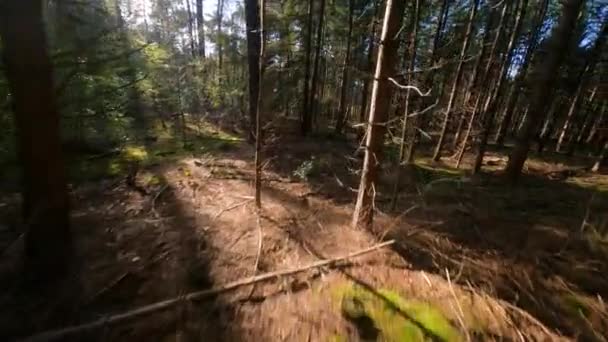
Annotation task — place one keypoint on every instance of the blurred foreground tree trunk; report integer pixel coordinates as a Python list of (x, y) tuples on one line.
[(544, 81), (48, 243), (378, 113)]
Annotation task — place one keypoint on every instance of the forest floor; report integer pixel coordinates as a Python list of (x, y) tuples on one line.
[(474, 259)]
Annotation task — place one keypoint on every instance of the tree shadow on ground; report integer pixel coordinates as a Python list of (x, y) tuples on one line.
[(133, 250)]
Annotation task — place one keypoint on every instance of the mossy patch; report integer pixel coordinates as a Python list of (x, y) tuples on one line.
[(387, 316)]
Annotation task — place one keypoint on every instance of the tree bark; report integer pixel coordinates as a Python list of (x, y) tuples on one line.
[(459, 69), (306, 115), (379, 107), (518, 83), (545, 80), (252, 18), (341, 121), (48, 242), (200, 24)]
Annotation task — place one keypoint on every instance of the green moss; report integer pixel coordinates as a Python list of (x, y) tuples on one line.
[(393, 317), (135, 153)]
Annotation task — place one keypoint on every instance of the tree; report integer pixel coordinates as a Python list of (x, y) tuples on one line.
[(456, 81), (306, 115), (48, 244), (258, 114), (252, 18), (341, 121), (200, 24), (491, 105), (191, 28), (544, 81), (369, 61), (582, 81), (518, 83), (315, 69), (220, 46), (379, 107)]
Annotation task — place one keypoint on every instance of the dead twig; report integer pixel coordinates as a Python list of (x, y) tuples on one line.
[(232, 207), (156, 197), (148, 309)]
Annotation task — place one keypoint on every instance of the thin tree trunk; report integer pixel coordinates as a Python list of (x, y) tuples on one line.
[(597, 124), (48, 243), (342, 107), (422, 122), (369, 63), (602, 159), (588, 116), (200, 24), (258, 114), (545, 81), (520, 79), (459, 69), (379, 107), (477, 79), (220, 48), (404, 128), (582, 81), (491, 105), (193, 49), (315, 68), (306, 115), (252, 17)]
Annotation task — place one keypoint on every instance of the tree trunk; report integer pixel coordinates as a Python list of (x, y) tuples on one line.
[(379, 107), (459, 69), (582, 81), (306, 115), (596, 125), (520, 79), (315, 69), (491, 105), (369, 63), (191, 29), (588, 116), (252, 17), (48, 243), (258, 114), (602, 159), (474, 79), (430, 78), (342, 108), (220, 50), (545, 81), (404, 128), (200, 24)]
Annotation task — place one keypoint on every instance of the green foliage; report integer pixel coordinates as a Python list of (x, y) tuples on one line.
[(306, 170)]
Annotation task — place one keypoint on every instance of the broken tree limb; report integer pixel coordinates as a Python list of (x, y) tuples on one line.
[(54, 335)]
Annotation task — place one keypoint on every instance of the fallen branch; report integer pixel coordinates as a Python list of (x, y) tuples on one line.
[(234, 206), (148, 309)]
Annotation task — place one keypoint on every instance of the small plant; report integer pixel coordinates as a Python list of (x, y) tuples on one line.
[(306, 169)]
